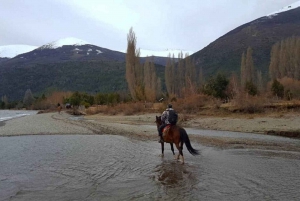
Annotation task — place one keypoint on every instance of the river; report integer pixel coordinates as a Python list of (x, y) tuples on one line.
[(110, 167)]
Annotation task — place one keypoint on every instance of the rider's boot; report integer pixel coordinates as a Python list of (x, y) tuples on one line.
[(161, 140)]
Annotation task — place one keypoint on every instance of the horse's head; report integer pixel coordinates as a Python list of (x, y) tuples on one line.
[(158, 120)]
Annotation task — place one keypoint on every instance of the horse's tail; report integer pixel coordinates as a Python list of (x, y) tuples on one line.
[(185, 138)]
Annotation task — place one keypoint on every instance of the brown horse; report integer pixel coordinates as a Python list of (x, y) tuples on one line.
[(177, 135)]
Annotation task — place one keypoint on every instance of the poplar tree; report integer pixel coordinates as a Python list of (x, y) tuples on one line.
[(243, 70), (150, 81), (134, 73), (201, 77), (249, 66), (297, 59), (28, 98), (190, 75), (274, 62), (260, 84), (180, 76), (169, 75), (282, 59)]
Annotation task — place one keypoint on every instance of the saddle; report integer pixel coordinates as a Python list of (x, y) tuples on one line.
[(166, 130)]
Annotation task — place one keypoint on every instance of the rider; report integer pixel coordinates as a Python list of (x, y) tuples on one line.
[(165, 122)]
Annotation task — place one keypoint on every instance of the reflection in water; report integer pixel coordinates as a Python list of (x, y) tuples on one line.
[(176, 181), (171, 173)]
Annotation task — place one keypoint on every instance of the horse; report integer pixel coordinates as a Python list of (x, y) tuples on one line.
[(177, 135)]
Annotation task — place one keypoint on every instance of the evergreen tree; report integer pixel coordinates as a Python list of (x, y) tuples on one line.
[(277, 88), (216, 86)]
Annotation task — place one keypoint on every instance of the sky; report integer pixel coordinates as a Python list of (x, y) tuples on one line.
[(159, 25)]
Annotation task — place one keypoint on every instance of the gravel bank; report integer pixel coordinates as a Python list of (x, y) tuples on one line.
[(142, 127), (42, 124)]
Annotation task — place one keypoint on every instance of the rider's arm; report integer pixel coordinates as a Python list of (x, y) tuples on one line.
[(164, 116)]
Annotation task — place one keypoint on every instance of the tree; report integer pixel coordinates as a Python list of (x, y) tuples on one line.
[(251, 88), (190, 75), (247, 72), (28, 98), (243, 70), (134, 73), (150, 81), (260, 83), (277, 89), (75, 99), (249, 66), (180, 75), (169, 75), (274, 67), (216, 86)]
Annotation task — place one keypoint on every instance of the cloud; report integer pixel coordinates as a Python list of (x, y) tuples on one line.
[(159, 25)]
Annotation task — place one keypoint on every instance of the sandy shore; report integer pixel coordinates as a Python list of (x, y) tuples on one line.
[(142, 127)]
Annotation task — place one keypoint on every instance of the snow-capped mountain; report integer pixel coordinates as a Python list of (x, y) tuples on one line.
[(286, 8), (64, 41), (11, 51)]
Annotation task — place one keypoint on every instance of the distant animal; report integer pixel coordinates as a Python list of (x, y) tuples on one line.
[(68, 105), (59, 108), (177, 135)]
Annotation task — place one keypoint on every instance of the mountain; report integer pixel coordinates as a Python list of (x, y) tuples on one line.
[(68, 64), (224, 54)]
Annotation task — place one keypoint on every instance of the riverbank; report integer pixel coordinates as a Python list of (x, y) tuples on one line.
[(142, 127)]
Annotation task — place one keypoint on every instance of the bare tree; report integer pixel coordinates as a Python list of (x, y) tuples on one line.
[(134, 73), (28, 98)]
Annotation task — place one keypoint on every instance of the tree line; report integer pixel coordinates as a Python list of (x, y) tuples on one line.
[(182, 80)]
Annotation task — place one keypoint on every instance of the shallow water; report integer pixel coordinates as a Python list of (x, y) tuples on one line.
[(239, 135), (11, 114), (105, 167)]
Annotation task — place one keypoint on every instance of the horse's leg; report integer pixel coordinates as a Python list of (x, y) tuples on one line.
[(179, 147), (162, 149), (172, 148), (180, 151)]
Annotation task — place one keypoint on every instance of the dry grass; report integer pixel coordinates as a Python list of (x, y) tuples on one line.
[(243, 106), (50, 103), (122, 108)]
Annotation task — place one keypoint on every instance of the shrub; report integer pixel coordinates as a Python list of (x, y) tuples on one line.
[(251, 88), (277, 89), (216, 86)]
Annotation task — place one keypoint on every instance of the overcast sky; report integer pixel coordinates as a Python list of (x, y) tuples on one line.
[(158, 24)]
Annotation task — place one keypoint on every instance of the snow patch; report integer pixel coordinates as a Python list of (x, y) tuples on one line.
[(89, 50), (98, 51), (65, 41), (164, 53), (284, 9)]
